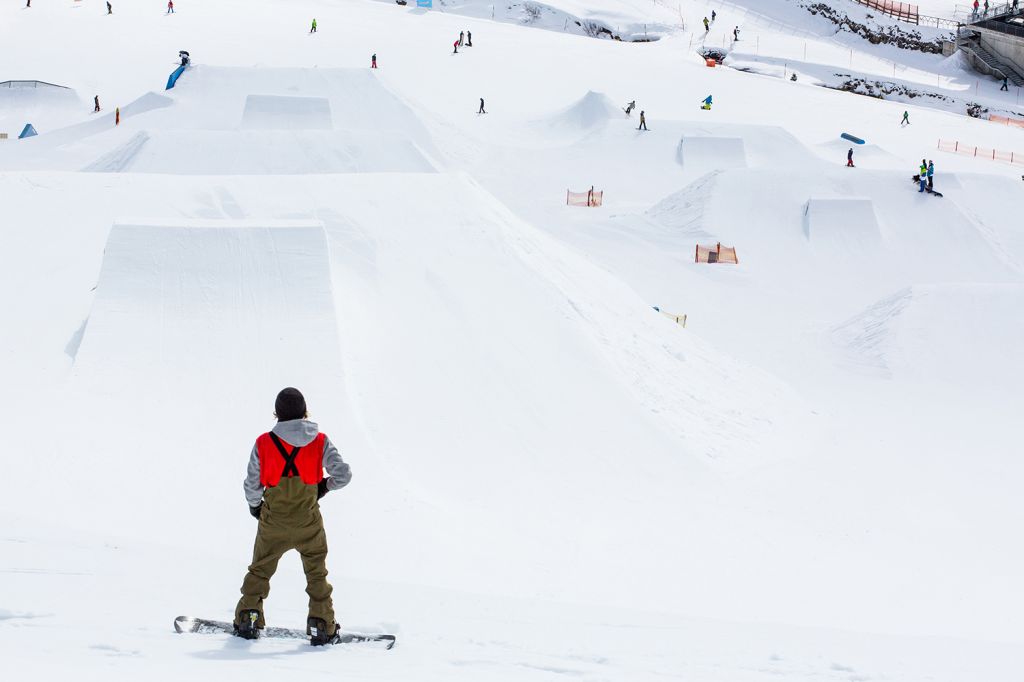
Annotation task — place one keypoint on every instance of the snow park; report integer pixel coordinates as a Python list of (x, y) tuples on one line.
[(606, 341)]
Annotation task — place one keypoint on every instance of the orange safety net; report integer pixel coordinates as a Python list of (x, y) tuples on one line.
[(956, 147), (1019, 123), (588, 198), (716, 254)]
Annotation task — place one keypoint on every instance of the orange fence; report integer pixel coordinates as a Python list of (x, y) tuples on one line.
[(900, 10), (588, 198), (980, 152), (715, 254), (1006, 121)]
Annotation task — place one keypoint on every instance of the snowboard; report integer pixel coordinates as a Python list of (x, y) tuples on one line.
[(183, 624)]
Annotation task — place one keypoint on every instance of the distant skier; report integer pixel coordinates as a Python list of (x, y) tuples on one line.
[(185, 58), (1004, 86), (373, 61), (974, 10), (736, 33), (714, 15), (985, 13), (456, 46), (849, 157), (481, 110), (28, 3), (284, 483), (312, 29), (110, 8), (630, 107), (931, 173), (906, 119), (170, 6), (462, 36), (707, 25), (643, 122), (707, 104), (469, 39), (117, 116)]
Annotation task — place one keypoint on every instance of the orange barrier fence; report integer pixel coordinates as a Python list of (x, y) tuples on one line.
[(1006, 121), (900, 10), (716, 254), (980, 152), (588, 198)]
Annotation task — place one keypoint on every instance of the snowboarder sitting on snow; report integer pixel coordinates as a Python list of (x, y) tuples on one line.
[(630, 107), (283, 486)]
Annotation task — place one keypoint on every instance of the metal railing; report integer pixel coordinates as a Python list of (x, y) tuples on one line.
[(900, 10)]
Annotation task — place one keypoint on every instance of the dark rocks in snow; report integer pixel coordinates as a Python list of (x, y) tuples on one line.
[(888, 35)]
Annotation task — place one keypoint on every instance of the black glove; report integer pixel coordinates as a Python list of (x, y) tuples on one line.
[(321, 488), (255, 511)]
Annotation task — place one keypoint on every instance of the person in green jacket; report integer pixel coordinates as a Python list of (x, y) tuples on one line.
[(313, 27)]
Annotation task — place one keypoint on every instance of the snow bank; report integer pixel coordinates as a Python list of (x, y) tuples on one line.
[(277, 112)]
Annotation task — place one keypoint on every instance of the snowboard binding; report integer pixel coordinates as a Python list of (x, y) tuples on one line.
[(318, 632), (246, 625)]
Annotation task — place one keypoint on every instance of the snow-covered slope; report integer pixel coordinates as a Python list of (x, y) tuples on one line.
[(816, 477)]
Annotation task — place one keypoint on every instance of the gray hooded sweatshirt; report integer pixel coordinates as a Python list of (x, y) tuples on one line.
[(298, 433)]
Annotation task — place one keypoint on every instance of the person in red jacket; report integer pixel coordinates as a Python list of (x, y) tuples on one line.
[(283, 486), (170, 6)]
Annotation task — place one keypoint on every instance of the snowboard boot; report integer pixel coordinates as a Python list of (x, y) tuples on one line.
[(319, 633), (246, 625)]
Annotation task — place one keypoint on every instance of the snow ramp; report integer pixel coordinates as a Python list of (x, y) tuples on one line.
[(592, 110), (712, 152), (264, 152), (278, 112), (846, 225), (178, 303), (967, 335)]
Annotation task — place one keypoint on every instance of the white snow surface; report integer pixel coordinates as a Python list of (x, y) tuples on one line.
[(816, 478)]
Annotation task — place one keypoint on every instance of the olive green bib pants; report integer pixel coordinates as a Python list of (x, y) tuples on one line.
[(290, 519)]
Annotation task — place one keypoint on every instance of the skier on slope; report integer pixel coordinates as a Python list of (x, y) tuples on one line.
[(849, 157), (283, 486), (714, 15), (906, 118)]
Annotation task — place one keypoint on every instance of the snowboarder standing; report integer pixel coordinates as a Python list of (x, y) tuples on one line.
[(707, 25), (28, 3), (643, 122), (283, 486), (481, 110), (170, 6), (931, 172), (906, 119), (630, 107), (110, 8), (373, 61), (849, 157), (1004, 86), (312, 28), (714, 15), (469, 39), (922, 174), (96, 103), (456, 46), (736, 33), (117, 116), (974, 10), (462, 36)]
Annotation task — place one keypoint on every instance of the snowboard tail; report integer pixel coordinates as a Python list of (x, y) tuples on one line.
[(186, 624)]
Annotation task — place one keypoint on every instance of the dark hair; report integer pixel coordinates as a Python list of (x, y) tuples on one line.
[(290, 404)]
